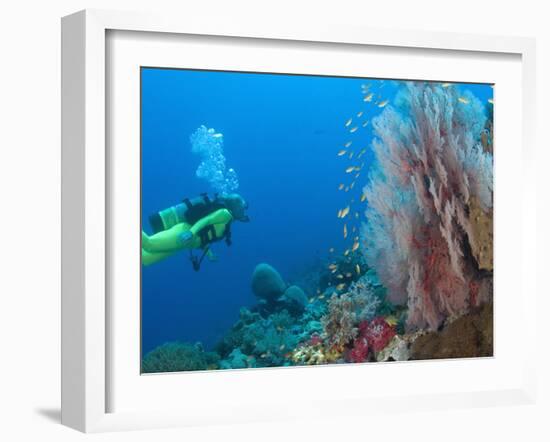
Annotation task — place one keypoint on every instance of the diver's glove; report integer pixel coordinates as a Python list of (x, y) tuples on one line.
[(185, 237)]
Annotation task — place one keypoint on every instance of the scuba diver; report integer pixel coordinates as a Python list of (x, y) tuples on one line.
[(192, 224)]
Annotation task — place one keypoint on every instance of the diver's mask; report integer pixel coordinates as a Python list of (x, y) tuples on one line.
[(237, 206)]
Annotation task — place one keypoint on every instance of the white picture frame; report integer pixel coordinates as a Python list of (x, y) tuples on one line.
[(85, 211)]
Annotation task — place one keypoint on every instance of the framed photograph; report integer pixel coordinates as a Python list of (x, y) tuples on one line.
[(262, 223)]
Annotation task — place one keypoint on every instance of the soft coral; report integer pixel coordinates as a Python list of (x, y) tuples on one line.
[(377, 332), (360, 350)]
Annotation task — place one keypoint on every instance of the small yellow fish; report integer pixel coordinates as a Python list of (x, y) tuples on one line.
[(365, 123), (311, 300), (340, 276), (445, 85), (321, 296), (357, 175), (345, 231), (353, 129), (391, 320), (344, 212), (358, 269), (342, 152), (346, 189), (340, 187), (340, 287), (350, 169), (333, 266), (363, 198), (490, 100), (348, 144), (383, 103), (463, 100), (355, 246), (350, 156), (354, 229), (356, 215), (346, 252), (359, 114), (331, 250), (282, 347), (351, 185), (348, 275), (333, 270), (263, 355), (348, 122), (339, 214), (361, 153), (368, 97)]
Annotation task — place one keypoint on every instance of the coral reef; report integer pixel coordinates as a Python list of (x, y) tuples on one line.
[(346, 311), (432, 176), (340, 324), (176, 356), (267, 340)]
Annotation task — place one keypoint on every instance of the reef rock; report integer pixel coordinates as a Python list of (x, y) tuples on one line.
[(267, 283), (396, 350), (468, 336), (481, 239)]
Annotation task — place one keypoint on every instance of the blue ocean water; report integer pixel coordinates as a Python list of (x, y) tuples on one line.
[(281, 134)]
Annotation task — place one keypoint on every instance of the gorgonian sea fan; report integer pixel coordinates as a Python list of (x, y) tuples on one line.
[(430, 169)]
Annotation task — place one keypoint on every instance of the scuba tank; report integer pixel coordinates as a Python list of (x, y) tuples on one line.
[(189, 211)]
